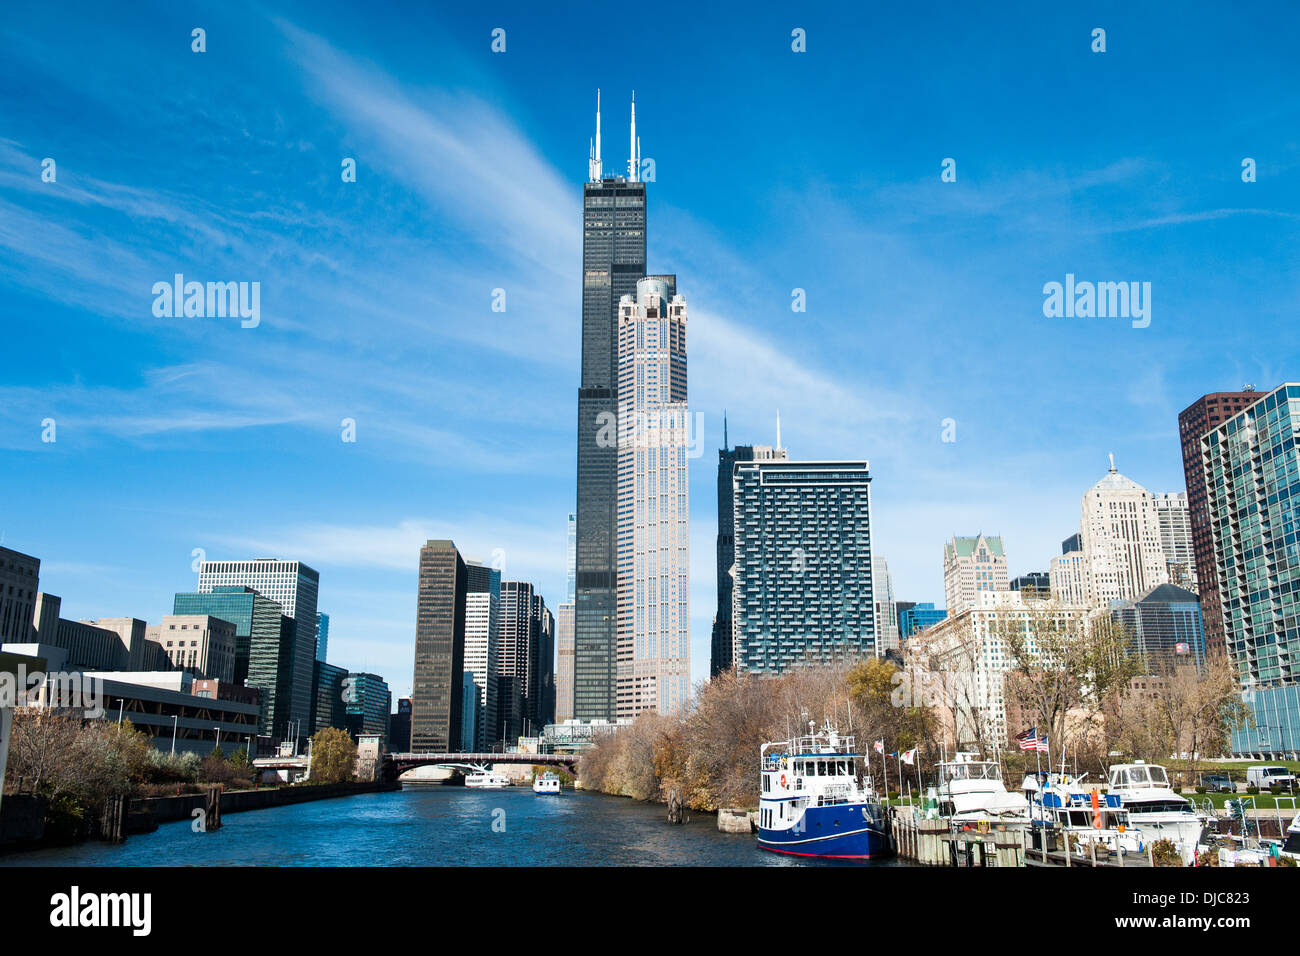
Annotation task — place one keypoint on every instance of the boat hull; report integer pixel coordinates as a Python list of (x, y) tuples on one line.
[(833, 833)]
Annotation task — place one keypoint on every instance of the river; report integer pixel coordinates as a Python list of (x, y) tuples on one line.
[(436, 826)]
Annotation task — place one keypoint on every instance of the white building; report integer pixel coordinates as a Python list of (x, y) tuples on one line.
[(1069, 578), (653, 501), (970, 566), (481, 631), (1175, 524), (887, 637), (969, 654), (1120, 539)]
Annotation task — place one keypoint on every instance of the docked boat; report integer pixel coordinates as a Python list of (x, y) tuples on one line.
[(1086, 815), (971, 790), (814, 800), (1291, 841), (546, 783), (1143, 790), (481, 778)]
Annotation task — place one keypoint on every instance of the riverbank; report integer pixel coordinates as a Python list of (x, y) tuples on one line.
[(22, 816)]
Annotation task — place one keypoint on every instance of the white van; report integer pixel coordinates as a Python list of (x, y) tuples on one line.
[(1265, 777)]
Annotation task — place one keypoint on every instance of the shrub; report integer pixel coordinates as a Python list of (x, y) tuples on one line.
[(1164, 853)]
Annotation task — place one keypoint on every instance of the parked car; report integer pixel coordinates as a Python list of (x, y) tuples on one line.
[(1267, 777), (1218, 783)]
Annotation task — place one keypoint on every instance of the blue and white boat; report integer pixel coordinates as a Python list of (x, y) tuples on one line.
[(815, 802)]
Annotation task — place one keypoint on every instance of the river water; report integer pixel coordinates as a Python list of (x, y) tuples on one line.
[(436, 826)]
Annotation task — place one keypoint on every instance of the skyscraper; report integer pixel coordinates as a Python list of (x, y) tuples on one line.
[(1194, 421), (1252, 477), (1166, 626), (972, 565), (882, 586), (1176, 539), (653, 502), (294, 586), (482, 630), (437, 686), (1120, 536), (803, 577), (613, 259), (720, 647), (322, 635)]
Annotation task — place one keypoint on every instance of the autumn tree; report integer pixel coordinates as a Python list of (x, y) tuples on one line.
[(333, 756)]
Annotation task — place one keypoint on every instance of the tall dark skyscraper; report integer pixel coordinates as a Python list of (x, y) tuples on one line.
[(1194, 422), (613, 259), (439, 649)]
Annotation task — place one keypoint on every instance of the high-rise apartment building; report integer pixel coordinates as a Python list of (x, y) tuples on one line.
[(613, 260), (294, 586), (720, 645), (482, 630), (972, 565), (1175, 523), (803, 573), (564, 632), (1252, 477), (653, 502), (1207, 412), (437, 685)]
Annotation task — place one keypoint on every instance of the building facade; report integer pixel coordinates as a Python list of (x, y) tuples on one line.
[(1207, 412), (294, 586), (1166, 626), (201, 644), (915, 619), (888, 638), (653, 502), (331, 706), (1174, 519), (368, 703), (437, 685), (720, 643), (322, 635), (803, 572), (482, 633), (971, 566), (1252, 478), (19, 584)]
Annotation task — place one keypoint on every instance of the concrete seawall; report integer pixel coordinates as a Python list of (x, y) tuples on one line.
[(167, 809)]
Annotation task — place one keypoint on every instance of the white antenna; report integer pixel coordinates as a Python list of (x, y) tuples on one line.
[(1112, 463), (593, 164), (633, 167)]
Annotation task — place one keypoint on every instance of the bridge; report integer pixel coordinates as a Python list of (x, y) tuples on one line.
[(394, 765)]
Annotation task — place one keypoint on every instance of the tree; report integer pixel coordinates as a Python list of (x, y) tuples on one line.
[(333, 756)]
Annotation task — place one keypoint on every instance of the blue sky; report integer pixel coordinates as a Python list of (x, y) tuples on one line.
[(774, 171)]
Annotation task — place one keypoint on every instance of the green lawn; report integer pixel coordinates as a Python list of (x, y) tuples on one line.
[(1263, 801)]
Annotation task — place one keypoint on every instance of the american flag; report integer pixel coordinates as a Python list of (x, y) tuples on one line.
[(1042, 743), (1029, 739)]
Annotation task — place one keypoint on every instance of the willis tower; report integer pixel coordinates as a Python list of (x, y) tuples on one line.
[(613, 259)]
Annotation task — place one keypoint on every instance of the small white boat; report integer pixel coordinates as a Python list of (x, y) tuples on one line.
[(971, 790), (546, 783), (481, 778), (1085, 814)]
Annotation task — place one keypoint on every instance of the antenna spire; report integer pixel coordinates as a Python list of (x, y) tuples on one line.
[(725, 446), (633, 166), (1112, 463), (593, 162)]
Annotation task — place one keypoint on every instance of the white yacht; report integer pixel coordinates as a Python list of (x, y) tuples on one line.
[(1143, 790), (546, 783), (482, 778), (971, 789)]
